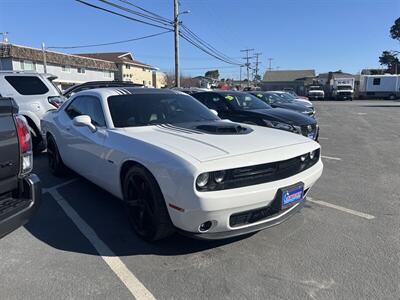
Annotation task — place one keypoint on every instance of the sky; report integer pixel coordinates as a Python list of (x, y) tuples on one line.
[(325, 35)]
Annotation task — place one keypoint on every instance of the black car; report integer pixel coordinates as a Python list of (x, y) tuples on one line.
[(98, 84), (245, 108), (278, 102), (20, 190)]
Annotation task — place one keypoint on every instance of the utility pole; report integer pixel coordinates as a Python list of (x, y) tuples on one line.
[(247, 64), (240, 75), (176, 30), (257, 55), (270, 64), (44, 58)]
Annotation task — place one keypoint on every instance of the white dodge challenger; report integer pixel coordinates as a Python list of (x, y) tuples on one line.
[(177, 166)]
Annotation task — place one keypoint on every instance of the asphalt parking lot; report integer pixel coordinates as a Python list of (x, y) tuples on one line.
[(345, 243)]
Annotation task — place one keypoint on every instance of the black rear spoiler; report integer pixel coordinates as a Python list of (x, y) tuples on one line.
[(8, 106)]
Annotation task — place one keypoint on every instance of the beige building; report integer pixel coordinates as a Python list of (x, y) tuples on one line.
[(130, 69)]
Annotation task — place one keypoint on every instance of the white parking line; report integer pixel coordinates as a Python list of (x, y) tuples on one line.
[(323, 138), (341, 208), (55, 187), (330, 157), (137, 289), (361, 114)]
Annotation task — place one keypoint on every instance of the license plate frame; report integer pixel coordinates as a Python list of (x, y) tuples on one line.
[(291, 195)]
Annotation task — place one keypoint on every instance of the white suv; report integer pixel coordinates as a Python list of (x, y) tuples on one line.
[(34, 94)]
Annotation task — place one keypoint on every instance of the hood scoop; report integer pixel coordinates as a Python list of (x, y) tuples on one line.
[(223, 129)]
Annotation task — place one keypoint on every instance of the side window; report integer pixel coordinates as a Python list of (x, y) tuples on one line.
[(27, 85), (376, 81), (87, 105), (218, 102)]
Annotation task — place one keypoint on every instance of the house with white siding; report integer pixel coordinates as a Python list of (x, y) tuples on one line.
[(68, 68)]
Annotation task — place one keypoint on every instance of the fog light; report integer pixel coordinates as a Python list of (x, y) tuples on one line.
[(202, 180), (205, 226), (312, 154), (303, 157)]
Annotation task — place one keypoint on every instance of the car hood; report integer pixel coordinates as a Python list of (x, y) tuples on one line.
[(285, 115), (293, 106), (203, 146)]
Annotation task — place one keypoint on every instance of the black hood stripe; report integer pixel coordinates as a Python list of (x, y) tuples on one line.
[(176, 129)]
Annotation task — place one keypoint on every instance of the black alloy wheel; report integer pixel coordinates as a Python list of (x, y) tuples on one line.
[(145, 205), (54, 160)]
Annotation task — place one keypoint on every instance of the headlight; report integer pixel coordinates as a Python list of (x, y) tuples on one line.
[(202, 180), (312, 154), (219, 176), (279, 125)]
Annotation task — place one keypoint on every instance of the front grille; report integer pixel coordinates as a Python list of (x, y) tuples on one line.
[(263, 173), (259, 214)]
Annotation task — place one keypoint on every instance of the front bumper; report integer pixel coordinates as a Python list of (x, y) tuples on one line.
[(219, 207), (272, 220), (316, 97), (16, 211)]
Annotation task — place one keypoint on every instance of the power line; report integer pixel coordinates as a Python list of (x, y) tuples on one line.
[(110, 43), (121, 15), (149, 12), (197, 45), (153, 19), (208, 45)]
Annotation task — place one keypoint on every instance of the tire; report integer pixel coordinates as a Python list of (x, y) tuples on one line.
[(392, 97), (54, 159), (145, 205)]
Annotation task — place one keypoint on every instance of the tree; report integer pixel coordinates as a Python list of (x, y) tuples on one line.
[(395, 30), (390, 60), (214, 74)]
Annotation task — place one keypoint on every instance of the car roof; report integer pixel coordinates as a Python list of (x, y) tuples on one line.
[(107, 91), (100, 84)]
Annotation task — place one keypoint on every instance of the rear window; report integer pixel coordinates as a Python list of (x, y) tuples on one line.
[(27, 85)]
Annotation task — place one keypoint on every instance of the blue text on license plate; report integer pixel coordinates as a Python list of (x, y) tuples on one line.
[(292, 195)]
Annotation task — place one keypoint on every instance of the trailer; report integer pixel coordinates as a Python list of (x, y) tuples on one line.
[(385, 86)]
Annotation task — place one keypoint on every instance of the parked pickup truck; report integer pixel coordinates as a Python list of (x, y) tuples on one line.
[(20, 190)]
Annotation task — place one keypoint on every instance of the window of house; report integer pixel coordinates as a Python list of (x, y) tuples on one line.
[(144, 70), (149, 82), (144, 82), (127, 66), (81, 70), (66, 69), (87, 105), (107, 74), (27, 85), (376, 81), (28, 65)]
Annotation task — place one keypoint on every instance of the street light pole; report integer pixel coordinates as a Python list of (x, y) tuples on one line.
[(176, 30), (44, 58)]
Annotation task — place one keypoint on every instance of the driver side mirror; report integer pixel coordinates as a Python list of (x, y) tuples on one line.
[(214, 112), (84, 120)]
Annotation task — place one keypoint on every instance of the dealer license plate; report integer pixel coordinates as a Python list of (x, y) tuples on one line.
[(292, 195)]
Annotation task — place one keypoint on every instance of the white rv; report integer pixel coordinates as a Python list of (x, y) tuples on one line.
[(380, 86)]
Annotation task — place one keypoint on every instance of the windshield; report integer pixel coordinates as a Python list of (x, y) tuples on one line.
[(315, 88), (152, 109), (275, 98), (286, 96), (344, 87), (272, 98), (245, 101)]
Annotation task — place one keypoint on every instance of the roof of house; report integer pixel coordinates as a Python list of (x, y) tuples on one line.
[(57, 58), (336, 75), (117, 57), (287, 75)]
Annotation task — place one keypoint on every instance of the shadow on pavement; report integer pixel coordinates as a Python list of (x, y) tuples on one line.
[(105, 215)]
